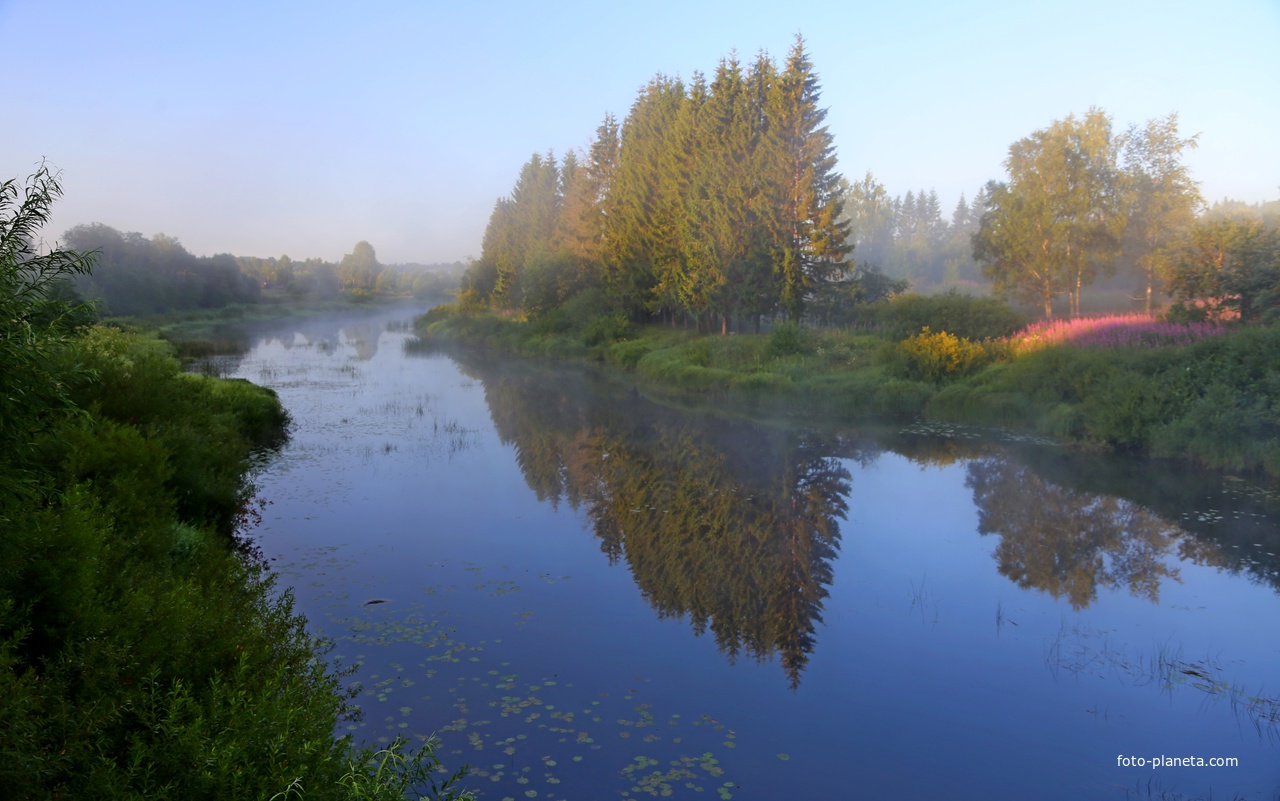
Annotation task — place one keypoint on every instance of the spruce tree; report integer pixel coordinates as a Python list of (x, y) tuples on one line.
[(810, 238)]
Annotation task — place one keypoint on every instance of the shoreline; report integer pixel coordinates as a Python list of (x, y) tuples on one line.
[(1209, 402)]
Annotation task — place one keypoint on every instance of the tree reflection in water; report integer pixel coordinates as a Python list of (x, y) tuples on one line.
[(1068, 542), (734, 527)]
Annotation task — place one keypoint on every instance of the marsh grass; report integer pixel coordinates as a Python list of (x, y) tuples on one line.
[(1078, 650)]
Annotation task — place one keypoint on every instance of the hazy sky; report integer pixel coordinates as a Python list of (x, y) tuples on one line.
[(263, 128)]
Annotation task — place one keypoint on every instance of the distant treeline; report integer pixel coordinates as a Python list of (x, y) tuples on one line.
[(136, 275), (907, 237)]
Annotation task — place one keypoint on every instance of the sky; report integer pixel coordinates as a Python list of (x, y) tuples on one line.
[(275, 127)]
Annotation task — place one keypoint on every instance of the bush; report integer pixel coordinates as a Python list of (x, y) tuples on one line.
[(605, 329), (789, 339), (967, 316), (940, 357)]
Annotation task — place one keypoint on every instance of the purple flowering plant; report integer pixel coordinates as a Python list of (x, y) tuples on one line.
[(1111, 331)]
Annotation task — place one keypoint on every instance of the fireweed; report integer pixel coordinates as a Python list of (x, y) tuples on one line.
[(1111, 331)]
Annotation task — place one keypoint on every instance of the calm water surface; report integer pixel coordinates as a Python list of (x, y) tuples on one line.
[(586, 594)]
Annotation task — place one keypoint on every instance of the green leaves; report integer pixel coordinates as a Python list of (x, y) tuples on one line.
[(1056, 224)]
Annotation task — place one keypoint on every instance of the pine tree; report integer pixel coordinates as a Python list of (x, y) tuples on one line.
[(871, 214), (725, 206), (757, 291)]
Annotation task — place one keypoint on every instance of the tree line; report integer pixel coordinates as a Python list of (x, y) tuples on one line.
[(1081, 203), (718, 201), (714, 200), (136, 275), (907, 238)]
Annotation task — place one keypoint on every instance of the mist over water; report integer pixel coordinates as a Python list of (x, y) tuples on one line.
[(586, 593)]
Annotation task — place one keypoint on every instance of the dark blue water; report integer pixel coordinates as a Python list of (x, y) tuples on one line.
[(587, 594)]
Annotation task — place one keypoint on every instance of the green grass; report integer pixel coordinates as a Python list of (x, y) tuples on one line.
[(1215, 401)]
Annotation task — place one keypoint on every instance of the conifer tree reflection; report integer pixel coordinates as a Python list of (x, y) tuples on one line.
[(734, 527), (1068, 542)]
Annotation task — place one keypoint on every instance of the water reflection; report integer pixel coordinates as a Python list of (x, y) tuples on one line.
[(734, 530), (736, 526), (1067, 542)]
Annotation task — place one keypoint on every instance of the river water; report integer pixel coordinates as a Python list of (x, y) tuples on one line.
[(589, 594)]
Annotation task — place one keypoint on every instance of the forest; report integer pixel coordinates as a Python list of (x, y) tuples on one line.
[(135, 275), (718, 202)]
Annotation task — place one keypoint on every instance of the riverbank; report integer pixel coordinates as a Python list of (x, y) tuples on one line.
[(1214, 400), (145, 651), (197, 333)]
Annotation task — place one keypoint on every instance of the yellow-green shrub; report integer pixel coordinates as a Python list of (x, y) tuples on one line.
[(942, 356)]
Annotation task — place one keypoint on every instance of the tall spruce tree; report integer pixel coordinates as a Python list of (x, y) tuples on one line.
[(643, 215), (724, 203), (810, 239)]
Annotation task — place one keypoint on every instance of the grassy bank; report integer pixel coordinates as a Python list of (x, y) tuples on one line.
[(144, 653), (1209, 396)]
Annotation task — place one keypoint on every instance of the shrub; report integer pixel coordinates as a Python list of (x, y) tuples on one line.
[(606, 328), (968, 316), (789, 339), (940, 357)]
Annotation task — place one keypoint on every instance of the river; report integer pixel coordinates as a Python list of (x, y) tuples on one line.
[(589, 594)]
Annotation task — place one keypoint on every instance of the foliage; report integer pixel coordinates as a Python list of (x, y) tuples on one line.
[(710, 202), (1230, 268), (938, 357), (607, 328), (907, 237), (1055, 225), (788, 339), (844, 300), (393, 773), (968, 316), (359, 270), (134, 275), (36, 321), (1162, 200)]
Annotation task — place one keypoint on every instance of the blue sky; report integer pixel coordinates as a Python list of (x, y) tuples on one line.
[(263, 128)]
